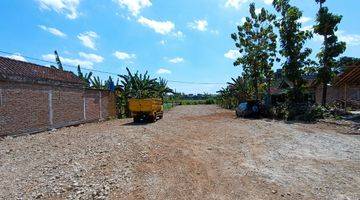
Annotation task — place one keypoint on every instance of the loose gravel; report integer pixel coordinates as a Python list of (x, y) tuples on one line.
[(195, 152)]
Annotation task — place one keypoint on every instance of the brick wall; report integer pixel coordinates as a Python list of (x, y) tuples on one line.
[(338, 93), (29, 108)]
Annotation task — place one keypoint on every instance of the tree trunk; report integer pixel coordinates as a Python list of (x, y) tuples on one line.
[(325, 71), (324, 93), (256, 89)]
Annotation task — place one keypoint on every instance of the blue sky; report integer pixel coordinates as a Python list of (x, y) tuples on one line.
[(180, 40)]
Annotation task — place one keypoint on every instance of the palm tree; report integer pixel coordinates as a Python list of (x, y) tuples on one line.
[(58, 62), (239, 88), (85, 78), (96, 83), (162, 88), (138, 85)]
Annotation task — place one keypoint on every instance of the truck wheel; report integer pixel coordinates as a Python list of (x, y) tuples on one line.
[(137, 119), (151, 118)]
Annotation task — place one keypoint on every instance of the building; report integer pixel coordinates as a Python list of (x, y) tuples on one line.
[(345, 89), (35, 98)]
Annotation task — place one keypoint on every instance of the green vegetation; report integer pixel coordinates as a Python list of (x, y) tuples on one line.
[(188, 99), (292, 40), (256, 41), (326, 26), (139, 86), (58, 62), (86, 78)]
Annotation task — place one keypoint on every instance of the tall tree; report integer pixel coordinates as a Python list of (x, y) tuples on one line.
[(292, 40), (326, 26), (256, 42)]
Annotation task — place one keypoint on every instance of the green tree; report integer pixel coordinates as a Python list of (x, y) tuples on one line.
[(109, 84), (162, 88), (139, 85), (326, 26), (97, 83), (292, 40), (256, 42), (58, 62), (239, 87), (85, 78)]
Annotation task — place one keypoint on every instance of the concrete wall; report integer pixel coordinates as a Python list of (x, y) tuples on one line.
[(26, 108)]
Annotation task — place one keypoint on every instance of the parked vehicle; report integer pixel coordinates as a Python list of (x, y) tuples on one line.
[(146, 110), (249, 109)]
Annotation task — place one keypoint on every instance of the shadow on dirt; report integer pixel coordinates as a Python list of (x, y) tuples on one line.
[(136, 124)]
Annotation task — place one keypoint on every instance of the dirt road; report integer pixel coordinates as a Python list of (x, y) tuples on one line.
[(195, 152)]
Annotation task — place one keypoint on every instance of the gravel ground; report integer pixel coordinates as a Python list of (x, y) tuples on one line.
[(195, 152)]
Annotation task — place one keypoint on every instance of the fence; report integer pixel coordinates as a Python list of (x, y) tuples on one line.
[(30, 108)]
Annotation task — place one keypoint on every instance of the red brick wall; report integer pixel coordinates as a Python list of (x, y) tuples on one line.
[(26, 108), (67, 105), (338, 93), (23, 109), (92, 99)]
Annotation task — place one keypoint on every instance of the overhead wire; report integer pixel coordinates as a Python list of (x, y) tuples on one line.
[(104, 72)]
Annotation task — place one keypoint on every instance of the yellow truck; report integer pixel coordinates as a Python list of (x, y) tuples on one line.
[(146, 109)]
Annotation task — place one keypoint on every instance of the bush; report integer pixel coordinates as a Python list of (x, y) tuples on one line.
[(312, 114), (279, 112)]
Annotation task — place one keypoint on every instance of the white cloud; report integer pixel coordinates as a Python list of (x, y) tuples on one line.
[(163, 42), (178, 34), (350, 39), (91, 57), (158, 26), (88, 39), (134, 6), (176, 60), (257, 11), (69, 61), (307, 28), (235, 3), (232, 54), (17, 56), (67, 7), (304, 20), (123, 55), (238, 3), (163, 71), (200, 25), (53, 31), (268, 2)]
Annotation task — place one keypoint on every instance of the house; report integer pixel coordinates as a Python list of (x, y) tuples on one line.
[(344, 90), (283, 86), (35, 98)]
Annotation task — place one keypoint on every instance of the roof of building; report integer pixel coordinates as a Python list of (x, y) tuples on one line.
[(350, 77), (15, 70)]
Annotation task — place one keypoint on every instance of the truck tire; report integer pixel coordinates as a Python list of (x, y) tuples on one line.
[(151, 118), (137, 119)]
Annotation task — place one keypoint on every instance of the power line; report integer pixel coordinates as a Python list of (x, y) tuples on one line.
[(104, 72)]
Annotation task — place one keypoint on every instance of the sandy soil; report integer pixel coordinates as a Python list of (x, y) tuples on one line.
[(195, 152)]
